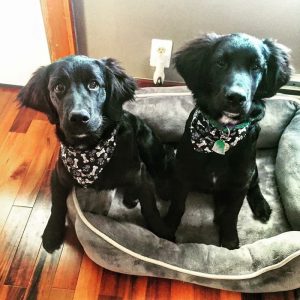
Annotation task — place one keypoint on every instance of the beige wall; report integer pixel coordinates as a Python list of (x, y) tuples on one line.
[(123, 29)]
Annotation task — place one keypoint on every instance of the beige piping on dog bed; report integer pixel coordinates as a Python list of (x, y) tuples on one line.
[(175, 268)]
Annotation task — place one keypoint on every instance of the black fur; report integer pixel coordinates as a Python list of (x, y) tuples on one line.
[(228, 76), (83, 97)]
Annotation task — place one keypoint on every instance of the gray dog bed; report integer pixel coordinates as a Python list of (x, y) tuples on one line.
[(269, 257)]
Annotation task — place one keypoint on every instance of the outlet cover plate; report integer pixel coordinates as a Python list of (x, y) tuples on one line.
[(161, 50)]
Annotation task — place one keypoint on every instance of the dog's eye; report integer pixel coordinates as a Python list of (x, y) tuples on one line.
[(221, 63), (255, 67), (60, 88), (93, 85)]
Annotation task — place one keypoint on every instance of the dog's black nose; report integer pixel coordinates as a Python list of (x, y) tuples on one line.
[(236, 96), (79, 116)]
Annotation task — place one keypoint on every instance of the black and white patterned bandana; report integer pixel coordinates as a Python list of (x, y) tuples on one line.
[(86, 165), (209, 136)]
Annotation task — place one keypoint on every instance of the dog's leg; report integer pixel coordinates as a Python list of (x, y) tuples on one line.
[(227, 207), (157, 157), (258, 204), (54, 232), (176, 210), (149, 209)]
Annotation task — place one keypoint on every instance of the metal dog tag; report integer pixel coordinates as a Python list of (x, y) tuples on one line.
[(220, 147)]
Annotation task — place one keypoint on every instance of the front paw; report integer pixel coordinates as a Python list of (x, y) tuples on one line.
[(162, 231), (229, 243), (53, 236), (168, 233), (130, 203), (262, 210)]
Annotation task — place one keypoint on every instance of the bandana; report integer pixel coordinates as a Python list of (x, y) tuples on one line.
[(86, 165), (209, 136)]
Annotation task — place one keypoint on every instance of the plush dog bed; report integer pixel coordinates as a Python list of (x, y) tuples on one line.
[(269, 257)]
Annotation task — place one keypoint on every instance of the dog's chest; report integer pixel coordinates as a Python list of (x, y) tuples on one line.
[(214, 175), (212, 171)]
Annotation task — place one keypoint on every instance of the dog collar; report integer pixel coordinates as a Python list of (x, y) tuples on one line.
[(209, 136), (86, 165)]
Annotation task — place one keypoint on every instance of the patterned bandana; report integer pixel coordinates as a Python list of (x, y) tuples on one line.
[(86, 165), (209, 136)]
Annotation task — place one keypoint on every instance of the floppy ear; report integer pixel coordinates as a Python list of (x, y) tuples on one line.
[(278, 71), (119, 87), (191, 61), (35, 94)]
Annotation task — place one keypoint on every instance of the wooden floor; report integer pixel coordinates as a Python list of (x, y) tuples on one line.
[(28, 150)]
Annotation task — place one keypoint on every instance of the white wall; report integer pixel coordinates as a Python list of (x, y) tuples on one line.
[(23, 44)]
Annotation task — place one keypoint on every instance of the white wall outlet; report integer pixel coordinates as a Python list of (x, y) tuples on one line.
[(161, 51)]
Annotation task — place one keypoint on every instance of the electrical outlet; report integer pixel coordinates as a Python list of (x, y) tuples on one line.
[(161, 51)]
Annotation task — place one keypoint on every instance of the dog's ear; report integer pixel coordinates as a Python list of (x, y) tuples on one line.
[(35, 94), (119, 87), (190, 61), (278, 71), (122, 86)]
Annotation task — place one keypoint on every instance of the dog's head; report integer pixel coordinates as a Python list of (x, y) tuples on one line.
[(230, 74), (82, 96)]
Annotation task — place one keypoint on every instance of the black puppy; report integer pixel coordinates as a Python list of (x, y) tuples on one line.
[(229, 76), (102, 146)]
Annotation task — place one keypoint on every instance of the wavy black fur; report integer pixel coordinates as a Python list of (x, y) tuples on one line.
[(228, 75)]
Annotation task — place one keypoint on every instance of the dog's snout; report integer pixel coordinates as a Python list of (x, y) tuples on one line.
[(236, 95), (79, 116)]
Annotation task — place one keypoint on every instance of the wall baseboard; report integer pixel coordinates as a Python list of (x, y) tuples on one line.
[(143, 82)]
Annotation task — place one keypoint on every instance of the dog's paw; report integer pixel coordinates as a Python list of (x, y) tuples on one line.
[(130, 198), (168, 234), (130, 203), (164, 231), (231, 244), (262, 211), (52, 238), (259, 206)]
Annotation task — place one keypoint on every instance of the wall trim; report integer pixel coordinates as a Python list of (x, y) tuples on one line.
[(144, 82), (59, 27)]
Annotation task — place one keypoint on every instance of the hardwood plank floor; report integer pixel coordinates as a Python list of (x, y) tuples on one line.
[(28, 151)]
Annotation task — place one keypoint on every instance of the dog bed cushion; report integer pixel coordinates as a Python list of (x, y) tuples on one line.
[(269, 257)]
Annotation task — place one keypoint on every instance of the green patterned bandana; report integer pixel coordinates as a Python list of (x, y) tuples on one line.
[(209, 136)]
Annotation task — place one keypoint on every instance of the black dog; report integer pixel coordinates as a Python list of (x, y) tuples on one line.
[(102, 146), (228, 76)]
